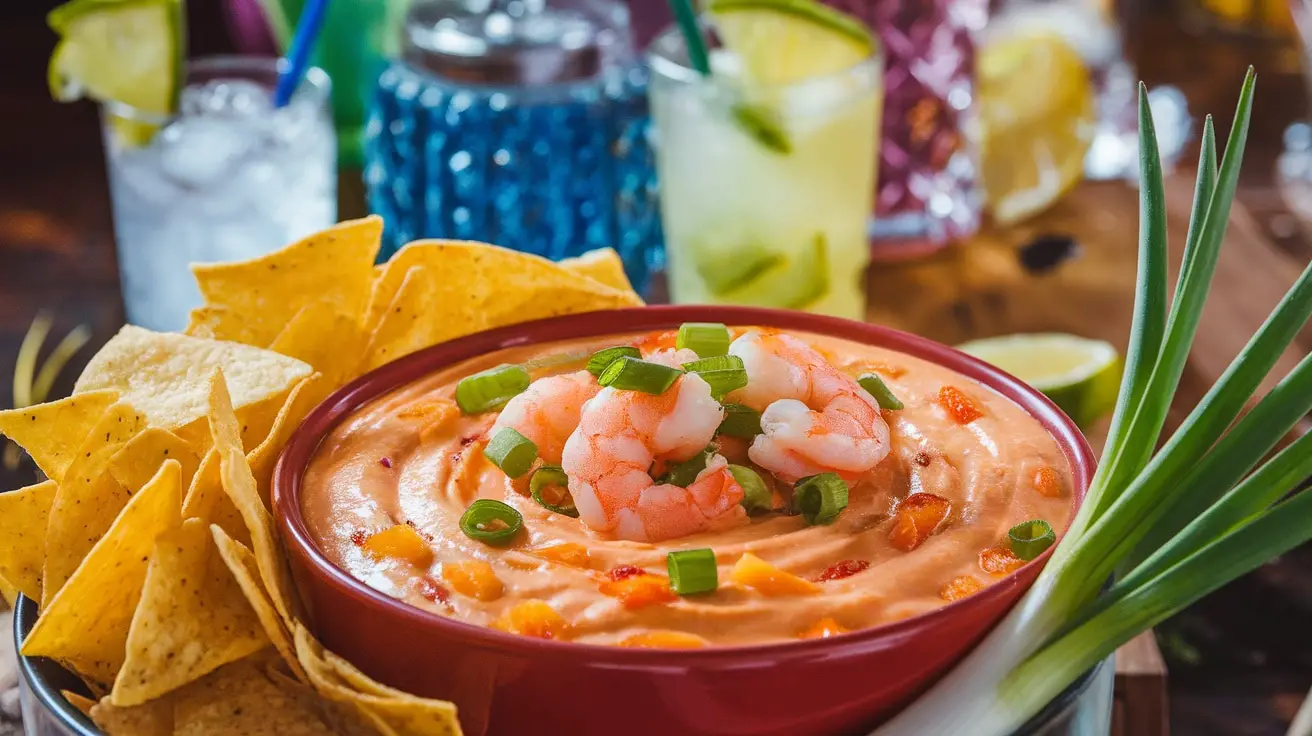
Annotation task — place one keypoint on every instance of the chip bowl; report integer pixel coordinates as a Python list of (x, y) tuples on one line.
[(508, 684)]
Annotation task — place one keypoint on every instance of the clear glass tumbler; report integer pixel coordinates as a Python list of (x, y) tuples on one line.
[(229, 177), (746, 221)]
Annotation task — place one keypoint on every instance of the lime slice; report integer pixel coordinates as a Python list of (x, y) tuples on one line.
[(776, 280), (1081, 376), (786, 41), (125, 51), (1036, 106)]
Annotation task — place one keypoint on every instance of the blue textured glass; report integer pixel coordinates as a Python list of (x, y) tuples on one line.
[(553, 171)]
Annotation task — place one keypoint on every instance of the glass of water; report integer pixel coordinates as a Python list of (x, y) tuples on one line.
[(227, 178)]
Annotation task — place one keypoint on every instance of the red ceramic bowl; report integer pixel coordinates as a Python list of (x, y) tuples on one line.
[(506, 684)]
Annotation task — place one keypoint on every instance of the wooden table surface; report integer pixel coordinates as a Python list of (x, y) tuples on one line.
[(1240, 661)]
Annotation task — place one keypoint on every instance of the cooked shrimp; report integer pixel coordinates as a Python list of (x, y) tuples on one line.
[(620, 434), (548, 411), (815, 418)]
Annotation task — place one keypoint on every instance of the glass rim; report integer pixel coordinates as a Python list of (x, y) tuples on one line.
[(316, 82), (665, 67)]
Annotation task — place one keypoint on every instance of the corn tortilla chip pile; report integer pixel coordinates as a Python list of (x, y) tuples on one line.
[(151, 546)]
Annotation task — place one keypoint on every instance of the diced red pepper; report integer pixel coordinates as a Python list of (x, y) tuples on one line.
[(358, 536), (917, 518), (844, 569), (620, 572), (434, 591), (958, 406)]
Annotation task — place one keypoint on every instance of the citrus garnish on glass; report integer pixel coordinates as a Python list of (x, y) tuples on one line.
[(767, 163)]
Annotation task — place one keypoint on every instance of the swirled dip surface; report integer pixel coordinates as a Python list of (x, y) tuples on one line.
[(411, 458)]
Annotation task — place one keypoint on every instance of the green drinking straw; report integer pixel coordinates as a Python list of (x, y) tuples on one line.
[(692, 35)]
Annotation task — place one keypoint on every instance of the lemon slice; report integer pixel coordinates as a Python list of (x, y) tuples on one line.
[(1037, 118), (786, 41), (1081, 376), (126, 51)]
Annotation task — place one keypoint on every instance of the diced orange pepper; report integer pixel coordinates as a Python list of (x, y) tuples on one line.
[(533, 618), (473, 578), (823, 629), (566, 553), (400, 542), (657, 341), (1047, 481), (960, 587), (637, 591), (917, 518), (884, 369), (999, 561), (663, 640), (754, 572), (958, 406), (437, 415)]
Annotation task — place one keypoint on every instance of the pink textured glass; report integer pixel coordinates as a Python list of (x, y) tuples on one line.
[(928, 192)]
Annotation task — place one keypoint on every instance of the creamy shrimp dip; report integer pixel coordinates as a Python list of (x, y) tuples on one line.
[(678, 507)]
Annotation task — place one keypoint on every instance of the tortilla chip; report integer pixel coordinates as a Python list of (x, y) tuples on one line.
[(192, 619), (304, 398), (85, 626), (239, 484), (221, 323), (137, 461), (240, 698), (255, 420), (8, 593), (602, 265), (241, 563), (420, 315), (81, 702), (23, 517), (88, 499), (334, 266), (166, 375), (207, 501), (405, 713), (346, 718), (52, 432), (330, 341), (151, 719), (465, 287)]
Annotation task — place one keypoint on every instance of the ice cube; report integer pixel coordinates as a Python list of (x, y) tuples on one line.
[(227, 98), (198, 151)]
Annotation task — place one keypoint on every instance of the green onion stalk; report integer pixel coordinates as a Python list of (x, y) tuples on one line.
[(1165, 527)]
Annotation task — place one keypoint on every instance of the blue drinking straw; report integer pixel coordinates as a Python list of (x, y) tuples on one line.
[(298, 54)]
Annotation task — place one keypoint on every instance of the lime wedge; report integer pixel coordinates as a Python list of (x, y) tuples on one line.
[(125, 51), (786, 41), (1081, 376), (777, 280)]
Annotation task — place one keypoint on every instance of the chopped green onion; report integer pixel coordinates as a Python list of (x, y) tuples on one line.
[(604, 357), (490, 389), (631, 374), (874, 385), (684, 473), (820, 498), (724, 373), (707, 339), (740, 421), (1029, 538), (512, 452), (549, 486), (756, 497), (692, 571), (490, 521)]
